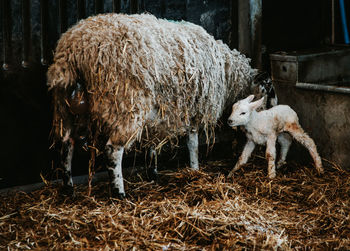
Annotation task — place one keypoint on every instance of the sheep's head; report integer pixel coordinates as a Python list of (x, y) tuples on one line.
[(262, 86), (242, 110)]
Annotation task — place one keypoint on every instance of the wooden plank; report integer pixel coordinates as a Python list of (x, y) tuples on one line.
[(7, 33), (249, 28)]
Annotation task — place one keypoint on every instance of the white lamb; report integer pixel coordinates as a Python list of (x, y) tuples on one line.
[(265, 127)]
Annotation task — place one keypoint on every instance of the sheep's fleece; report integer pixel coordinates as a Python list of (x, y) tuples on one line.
[(147, 79)]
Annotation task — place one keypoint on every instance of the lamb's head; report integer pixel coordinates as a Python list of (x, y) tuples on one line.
[(242, 111), (262, 86)]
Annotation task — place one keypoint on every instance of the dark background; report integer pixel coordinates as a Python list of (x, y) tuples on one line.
[(25, 106)]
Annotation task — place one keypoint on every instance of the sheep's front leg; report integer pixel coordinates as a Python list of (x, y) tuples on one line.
[(247, 151), (271, 155), (114, 166), (192, 144), (66, 161)]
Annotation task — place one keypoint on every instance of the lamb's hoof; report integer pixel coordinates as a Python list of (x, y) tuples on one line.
[(230, 174), (114, 193), (272, 175), (68, 191), (320, 171)]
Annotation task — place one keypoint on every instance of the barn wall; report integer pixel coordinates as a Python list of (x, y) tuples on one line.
[(325, 117), (25, 104)]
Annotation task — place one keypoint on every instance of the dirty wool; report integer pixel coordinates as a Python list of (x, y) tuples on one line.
[(149, 78), (188, 210)]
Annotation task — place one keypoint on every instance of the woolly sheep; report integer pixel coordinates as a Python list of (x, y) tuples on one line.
[(145, 80), (265, 127)]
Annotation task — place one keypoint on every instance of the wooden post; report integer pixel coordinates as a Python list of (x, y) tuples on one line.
[(116, 6), (7, 33), (26, 28), (249, 30), (44, 18), (134, 4), (80, 9)]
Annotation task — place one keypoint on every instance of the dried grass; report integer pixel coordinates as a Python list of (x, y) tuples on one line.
[(188, 211)]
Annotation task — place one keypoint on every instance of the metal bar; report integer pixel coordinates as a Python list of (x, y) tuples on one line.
[(143, 6), (26, 32), (98, 6), (77, 180), (7, 33), (62, 12), (162, 8), (344, 21), (249, 28), (81, 9), (116, 6), (134, 8), (44, 18), (234, 24), (333, 23), (322, 87)]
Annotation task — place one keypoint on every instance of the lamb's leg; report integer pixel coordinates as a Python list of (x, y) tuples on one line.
[(247, 151), (285, 140), (66, 162), (271, 155), (192, 144), (114, 156), (298, 133), (153, 164)]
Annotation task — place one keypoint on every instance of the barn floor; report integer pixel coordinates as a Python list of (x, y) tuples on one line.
[(188, 211)]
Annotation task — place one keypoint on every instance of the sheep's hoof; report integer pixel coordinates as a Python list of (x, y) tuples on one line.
[(280, 164), (114, 193), (121, 196), (194, 167), (68, 191), (153, 175)]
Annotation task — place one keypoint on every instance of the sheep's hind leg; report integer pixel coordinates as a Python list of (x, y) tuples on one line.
[(114, 157), (66, 161), (153, 168), (298, 133), (285, 140), (192, 145), (247, 151)]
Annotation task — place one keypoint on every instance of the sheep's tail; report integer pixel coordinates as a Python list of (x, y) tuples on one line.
[(61, 73), (62, 77)]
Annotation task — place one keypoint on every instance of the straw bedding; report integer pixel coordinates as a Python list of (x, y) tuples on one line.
[(146, 78), (188, 211)]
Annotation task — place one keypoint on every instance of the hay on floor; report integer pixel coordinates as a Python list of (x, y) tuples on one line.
[(188, 211)]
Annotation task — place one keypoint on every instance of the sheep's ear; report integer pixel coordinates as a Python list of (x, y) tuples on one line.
[(249, 98), (255, 105)]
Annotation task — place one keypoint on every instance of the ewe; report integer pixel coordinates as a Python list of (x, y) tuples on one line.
[(145, 80)]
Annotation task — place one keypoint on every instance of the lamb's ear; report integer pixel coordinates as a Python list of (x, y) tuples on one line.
[(249, 98), (255, 105)]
